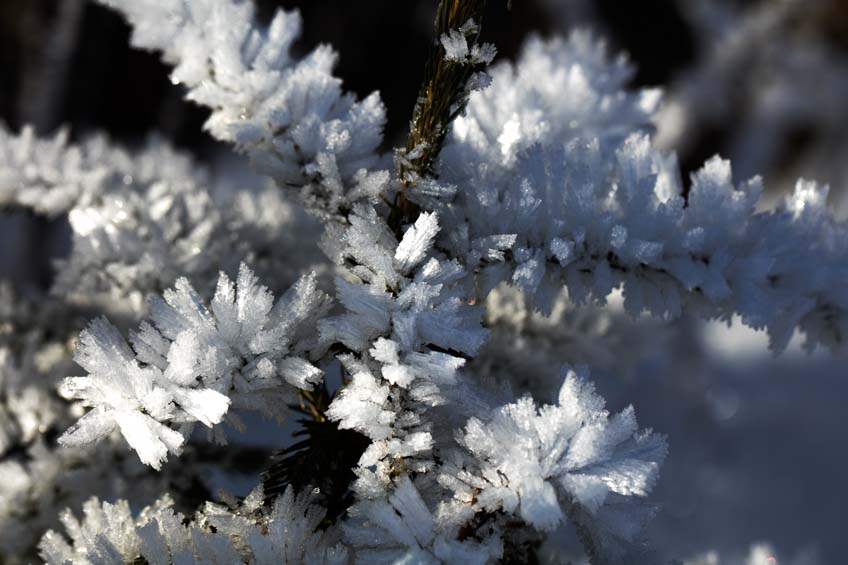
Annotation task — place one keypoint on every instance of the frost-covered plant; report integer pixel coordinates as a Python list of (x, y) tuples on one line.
[(534, 461), (287, 532), (191, 362), (289, 116), (142, 219), (548, 191)]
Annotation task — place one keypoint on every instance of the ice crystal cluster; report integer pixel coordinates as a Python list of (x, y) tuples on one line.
[(547, 195), (192, 361)]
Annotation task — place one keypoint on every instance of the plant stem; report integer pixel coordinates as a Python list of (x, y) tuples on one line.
[(441, 98)]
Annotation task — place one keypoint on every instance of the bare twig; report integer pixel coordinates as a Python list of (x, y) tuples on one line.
[(442, 97)]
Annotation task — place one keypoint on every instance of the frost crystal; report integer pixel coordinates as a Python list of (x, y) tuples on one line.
[(52, 176), (595, 207), (518, 109), (401, 529), (151, 224), (291, 117), (569, 459), (192, 361), (27, 408), (109, 533), (141, 219), (456, 47), (401, 306)]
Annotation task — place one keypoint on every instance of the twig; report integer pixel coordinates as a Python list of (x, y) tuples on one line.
[(442, 97)]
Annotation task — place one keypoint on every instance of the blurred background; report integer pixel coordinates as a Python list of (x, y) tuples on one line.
[(757, 469)]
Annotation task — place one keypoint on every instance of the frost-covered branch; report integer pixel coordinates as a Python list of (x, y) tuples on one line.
[(454, 69), (594, 207), (409, 325), (408, 328), (51, 175), (246, 533), (141, 219), (37, 477), (192, 361), (289, 116), (543, 464)]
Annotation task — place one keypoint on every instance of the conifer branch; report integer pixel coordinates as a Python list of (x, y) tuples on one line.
[(442, 96), (322, 458)]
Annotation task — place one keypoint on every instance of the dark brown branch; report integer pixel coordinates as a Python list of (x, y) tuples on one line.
[(442, 97)]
